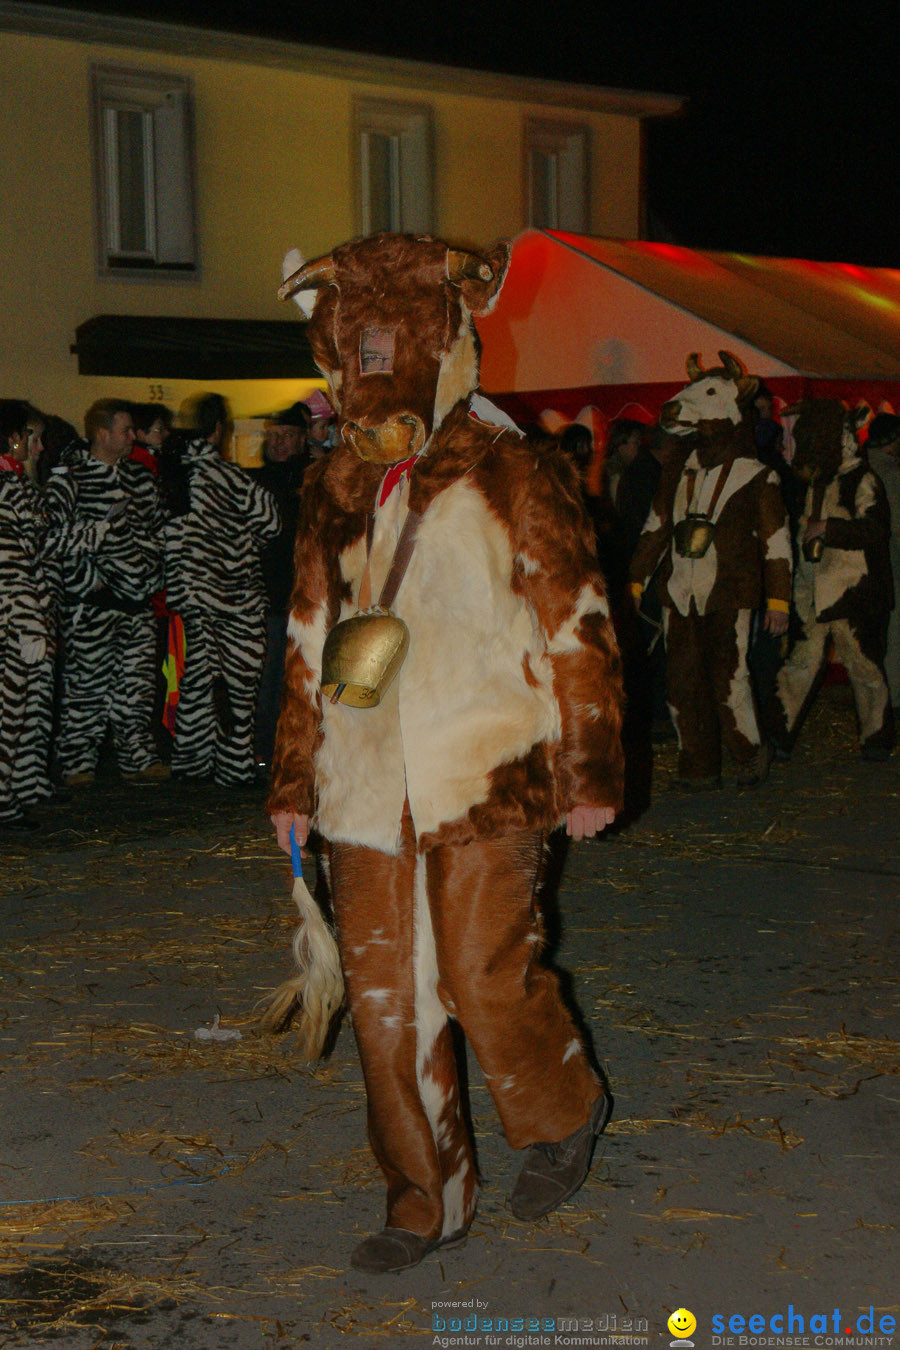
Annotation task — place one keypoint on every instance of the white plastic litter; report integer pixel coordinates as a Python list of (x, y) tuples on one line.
[(217, 1033)]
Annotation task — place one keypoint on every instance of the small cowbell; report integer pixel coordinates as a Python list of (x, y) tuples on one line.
[(693, 535)]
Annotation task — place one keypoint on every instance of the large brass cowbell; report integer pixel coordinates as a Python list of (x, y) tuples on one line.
[(361, 657)]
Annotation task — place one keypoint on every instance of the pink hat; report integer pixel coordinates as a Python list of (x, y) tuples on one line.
[(318, 404)]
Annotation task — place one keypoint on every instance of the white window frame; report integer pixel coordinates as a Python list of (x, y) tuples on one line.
[(409, 126), (165, 104), (567, 145)]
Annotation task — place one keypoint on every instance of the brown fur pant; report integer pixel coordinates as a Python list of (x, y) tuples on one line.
[(452, 932), (710, 694)]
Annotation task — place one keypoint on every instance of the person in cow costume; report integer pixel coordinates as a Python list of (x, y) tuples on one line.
[(718, 533), (843, 589), (435, 790)]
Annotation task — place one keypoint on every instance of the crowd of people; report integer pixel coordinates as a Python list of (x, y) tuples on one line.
[(147, 582), (690, 669), (145, 591)]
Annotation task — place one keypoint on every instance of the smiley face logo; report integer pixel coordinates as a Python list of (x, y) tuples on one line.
[(682, 1323)]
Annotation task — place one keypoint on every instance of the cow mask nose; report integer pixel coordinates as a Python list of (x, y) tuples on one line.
[(669, 412), (389, 442)]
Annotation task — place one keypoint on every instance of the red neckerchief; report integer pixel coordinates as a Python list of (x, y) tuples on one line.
[(142, 454), (10, 465), (393, 476)]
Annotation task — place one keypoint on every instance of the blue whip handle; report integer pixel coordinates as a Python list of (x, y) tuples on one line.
[(296, 857)]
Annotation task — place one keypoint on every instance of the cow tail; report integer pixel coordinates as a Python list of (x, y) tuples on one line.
[(313, 995)]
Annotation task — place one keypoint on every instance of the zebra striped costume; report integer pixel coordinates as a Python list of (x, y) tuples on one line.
[(31, 778), (214, 581), (107, 544), (26, 667)]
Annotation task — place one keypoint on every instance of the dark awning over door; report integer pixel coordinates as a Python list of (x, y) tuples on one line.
[(193, 349)]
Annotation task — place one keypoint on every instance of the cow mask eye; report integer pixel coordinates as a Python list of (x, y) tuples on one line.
[(376, 351)]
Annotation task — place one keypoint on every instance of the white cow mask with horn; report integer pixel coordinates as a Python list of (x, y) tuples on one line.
[(720, 394)]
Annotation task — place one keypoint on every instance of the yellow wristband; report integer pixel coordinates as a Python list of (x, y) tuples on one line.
[(637, 590), (780, 606)]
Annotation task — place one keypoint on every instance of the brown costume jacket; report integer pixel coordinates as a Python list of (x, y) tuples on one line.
[(852, 580), (506, 712), (749, 560)]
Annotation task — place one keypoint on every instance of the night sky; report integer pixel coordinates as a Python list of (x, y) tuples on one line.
[(791, 142)]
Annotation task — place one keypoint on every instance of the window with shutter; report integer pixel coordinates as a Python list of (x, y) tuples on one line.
[(144, 171), (393, 166), (556, 172)]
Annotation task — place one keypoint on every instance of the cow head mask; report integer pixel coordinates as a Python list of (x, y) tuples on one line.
[(721, 394), (825, 435), (391, 331)]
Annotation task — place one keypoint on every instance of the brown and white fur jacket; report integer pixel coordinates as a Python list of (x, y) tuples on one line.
[(749, 560), (853, 578), (506, 712)]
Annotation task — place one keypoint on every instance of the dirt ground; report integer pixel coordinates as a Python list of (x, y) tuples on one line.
[(735, 956)]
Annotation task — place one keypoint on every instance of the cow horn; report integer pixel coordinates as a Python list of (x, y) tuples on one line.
[(733, 368), (694, 368), (317, 272), (463, 266)]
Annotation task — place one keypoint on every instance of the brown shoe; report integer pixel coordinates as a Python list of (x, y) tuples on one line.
[(19, 822), (398, 1249), (757, 770), (154, 773), (710, 784), (553, 1172)]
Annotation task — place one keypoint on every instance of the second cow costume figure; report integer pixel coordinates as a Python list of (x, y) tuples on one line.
[(503, 721), (718, 533)]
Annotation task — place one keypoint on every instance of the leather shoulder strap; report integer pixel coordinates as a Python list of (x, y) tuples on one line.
[(399, 563), (402, 554)]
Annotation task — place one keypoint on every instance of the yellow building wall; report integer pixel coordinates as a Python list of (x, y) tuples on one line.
[(46, 243), (480, 193), (616, 178), (274, 168)]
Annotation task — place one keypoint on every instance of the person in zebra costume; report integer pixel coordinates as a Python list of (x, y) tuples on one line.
[(25, 655), (107, 537), (214, 581), (32, 774)]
